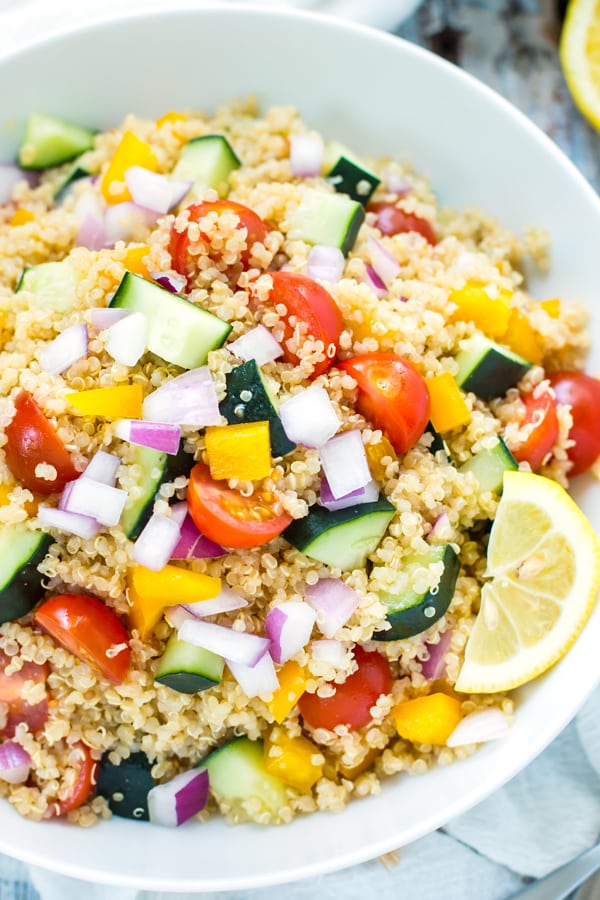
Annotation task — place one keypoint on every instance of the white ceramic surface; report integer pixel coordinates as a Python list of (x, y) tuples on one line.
[(379, 95)]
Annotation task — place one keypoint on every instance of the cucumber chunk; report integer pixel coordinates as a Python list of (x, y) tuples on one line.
[(156, 469), (53, 284), (488, 369), (248, 400), (411, 612), (75, 173), (237, 774), (348, 174), (488, 466), (207, 161), (344, 538), (49, 141), (126, 786), (330, 219), (21, 551), (438, 444), (189, 669)]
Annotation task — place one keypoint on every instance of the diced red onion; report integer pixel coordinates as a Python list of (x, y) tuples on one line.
[(478, 727), (15, 762), (156, 435), (103, 317), (325, 263), (9, 177), (309, 417), (72, 523), (374, 281), (173, 283), (176, 615), (384, 264), (345, 464), (435, 667), (334, 603), (153, 191), (225, 601), (396, 184), (236, 646), (156, 543), (64, 350), (258, 344), (192, 544), (178, 800), (329, 651), (64, 497), (441, 528), (190, 399), (99, 501), (126, 339), (122, 219), (102, 467), (289, 626), (90, 214), (306, 154), (367, 494), (259, 680)]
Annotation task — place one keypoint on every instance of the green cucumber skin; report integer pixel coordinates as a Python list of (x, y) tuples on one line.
[(489, 466), (133, 779), (187, 166), (438, 444), (345, 177), (352, 233), (186, 682), (237, 773), (76, 174), (187, 668), (488, 369), (24, 589), (136, 516)]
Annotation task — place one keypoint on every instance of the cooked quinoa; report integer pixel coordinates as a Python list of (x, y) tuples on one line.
[(412, 318)]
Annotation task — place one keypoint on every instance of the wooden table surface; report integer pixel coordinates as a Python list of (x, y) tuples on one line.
[(512, 46)]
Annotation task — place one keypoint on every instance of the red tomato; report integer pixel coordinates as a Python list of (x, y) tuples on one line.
[(256, 230), (391, 220), (228, 518), (541, 412), (392, 395), (88, 629), (31, 440), (351, 704), (11, 686), (582, 393), (85, 783)]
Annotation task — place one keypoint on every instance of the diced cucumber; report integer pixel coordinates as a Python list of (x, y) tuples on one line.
[(75, 173), (49, 141), (330, 219), (156, 469), (344, 538), (410, 611), (488, 466), (21, 551), (488, 369), (178, 331), (189, 669), (348, 174), (54, 284), (248, 400), (208, 161), (126, 786), (237, 774), (438, 444)]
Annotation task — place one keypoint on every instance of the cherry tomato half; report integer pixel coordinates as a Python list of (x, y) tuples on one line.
[(31, 440), (19, 710), (351, 704), (85, 782), (392, 395), (228, 518), (256, 230), (310, 309), (582, 393), (88, 629), (391, 220), (540, 412)]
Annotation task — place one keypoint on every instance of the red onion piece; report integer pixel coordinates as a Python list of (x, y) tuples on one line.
[(15, 762), (121, 220), (190, 399), (374, 281), (126, 339), (259, 680), (69, 522), (479, 727), (384, 264), (258, 344), (334, 603), (325, 263), (306, 154), (289, 626), (236, 646), (345, 464), (156, 435), (64, 350), (102, 318), (10, 176), (367, 494), (177, 615), (441, 528), (153, 191), (396, 184), (90, 211), (154, 546), (174, 802), (435, 667), (225, 601), (172, 283), (96, 500), (329, 651), (192, 544), (309, 417), (102, 467)]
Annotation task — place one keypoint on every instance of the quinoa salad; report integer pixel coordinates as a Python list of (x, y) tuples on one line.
[(259, 397)]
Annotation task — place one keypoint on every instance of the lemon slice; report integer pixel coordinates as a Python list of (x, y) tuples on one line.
[(543, 563), (580, 56)]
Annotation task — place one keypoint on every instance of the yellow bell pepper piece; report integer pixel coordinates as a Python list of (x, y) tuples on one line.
[(522, 339), (21, 217), (376, 453), (134, 260), (292, 759), (292, 684), (239, 451), (448, 407), (552, 307), (427, 720), (121, 402), (30, 506), (352, 772), (475, 305), (172, 117), (151, 592), (131, 152)]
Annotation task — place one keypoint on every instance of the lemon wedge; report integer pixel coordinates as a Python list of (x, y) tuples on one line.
[(543, 563), (580, 56)]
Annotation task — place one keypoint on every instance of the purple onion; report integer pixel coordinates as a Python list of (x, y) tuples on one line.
[(72, 523), (289, 626), (156, 192), (194, 545), (126, 339), (325, 263), (156, 543), (374, 281), (479, 727), (367, 494), (384, 264), (258, 344), (15, 762), (178, 800), (156, 435), (102, 467), (189, 399), (172, 283), (259, 680), (345, 464), (236, 646), (225, 601), (60, 353), (334, 603), (306, 154), (309, 417), (102, 318), (91, 498), (435, 667)]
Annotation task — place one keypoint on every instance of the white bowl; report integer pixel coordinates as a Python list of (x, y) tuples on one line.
[(380, 95)]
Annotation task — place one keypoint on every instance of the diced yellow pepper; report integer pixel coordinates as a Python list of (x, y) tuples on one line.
[(292, 684), (448, 407), (134, 260), (552, 307), (352, 772), (292, 760), (239, 451), (21, 217), (30, 506), (151, 592), (172, 116), (376, 453), (120, 402), (522, 339), (427, 720), (131, 152), (475, 305)]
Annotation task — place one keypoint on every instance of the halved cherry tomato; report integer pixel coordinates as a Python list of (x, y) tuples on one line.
[(391, 220), (87, 775), (256, 230), (582, 393), (88, 629), (227, 517), (313, 310), (11, 687), (32, 440), (351, 704), (392, 395), (541, 412)]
